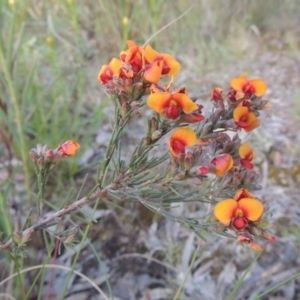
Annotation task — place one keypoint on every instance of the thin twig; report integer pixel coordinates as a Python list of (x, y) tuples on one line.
[(166, 26), (26, 234)]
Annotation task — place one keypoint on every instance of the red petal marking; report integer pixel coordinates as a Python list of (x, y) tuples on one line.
[(241, 124), (248, 89), (105, 74), (165, 70), (197, 117), (184, 137), (123, 57), (246, 163), (178, 146)]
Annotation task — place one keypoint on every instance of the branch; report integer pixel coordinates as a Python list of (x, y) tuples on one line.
[(26, 234)]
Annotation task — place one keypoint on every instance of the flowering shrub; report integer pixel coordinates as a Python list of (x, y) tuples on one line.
[(204, 163)]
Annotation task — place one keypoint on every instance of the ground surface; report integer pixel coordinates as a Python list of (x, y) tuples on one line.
[(145, 257)]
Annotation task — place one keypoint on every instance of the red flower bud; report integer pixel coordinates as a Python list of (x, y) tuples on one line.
[(204, 170)]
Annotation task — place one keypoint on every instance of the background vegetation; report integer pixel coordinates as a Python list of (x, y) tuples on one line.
[(50, 54)]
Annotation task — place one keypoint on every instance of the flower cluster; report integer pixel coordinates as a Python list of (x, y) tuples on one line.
[(207, 151), (213, 151), (136, 69), (244, 215)]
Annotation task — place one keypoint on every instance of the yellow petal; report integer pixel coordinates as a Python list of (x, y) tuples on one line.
[(252, 121), (159, 101), (172, 63), (246, 152), (260, 87), (116, 66), (240, 112), (150, 54), (224, 211), (188, 135), (187, 104), (238, 83), (252, 208)]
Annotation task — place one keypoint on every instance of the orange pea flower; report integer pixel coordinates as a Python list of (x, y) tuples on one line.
[(238, 213), (181, 138), (171, 104), (223, 163), (250, 87), (243, 193), (107, 72), (245, 118), (133, 56), (169, 65), (69, 148), (247, 155)]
